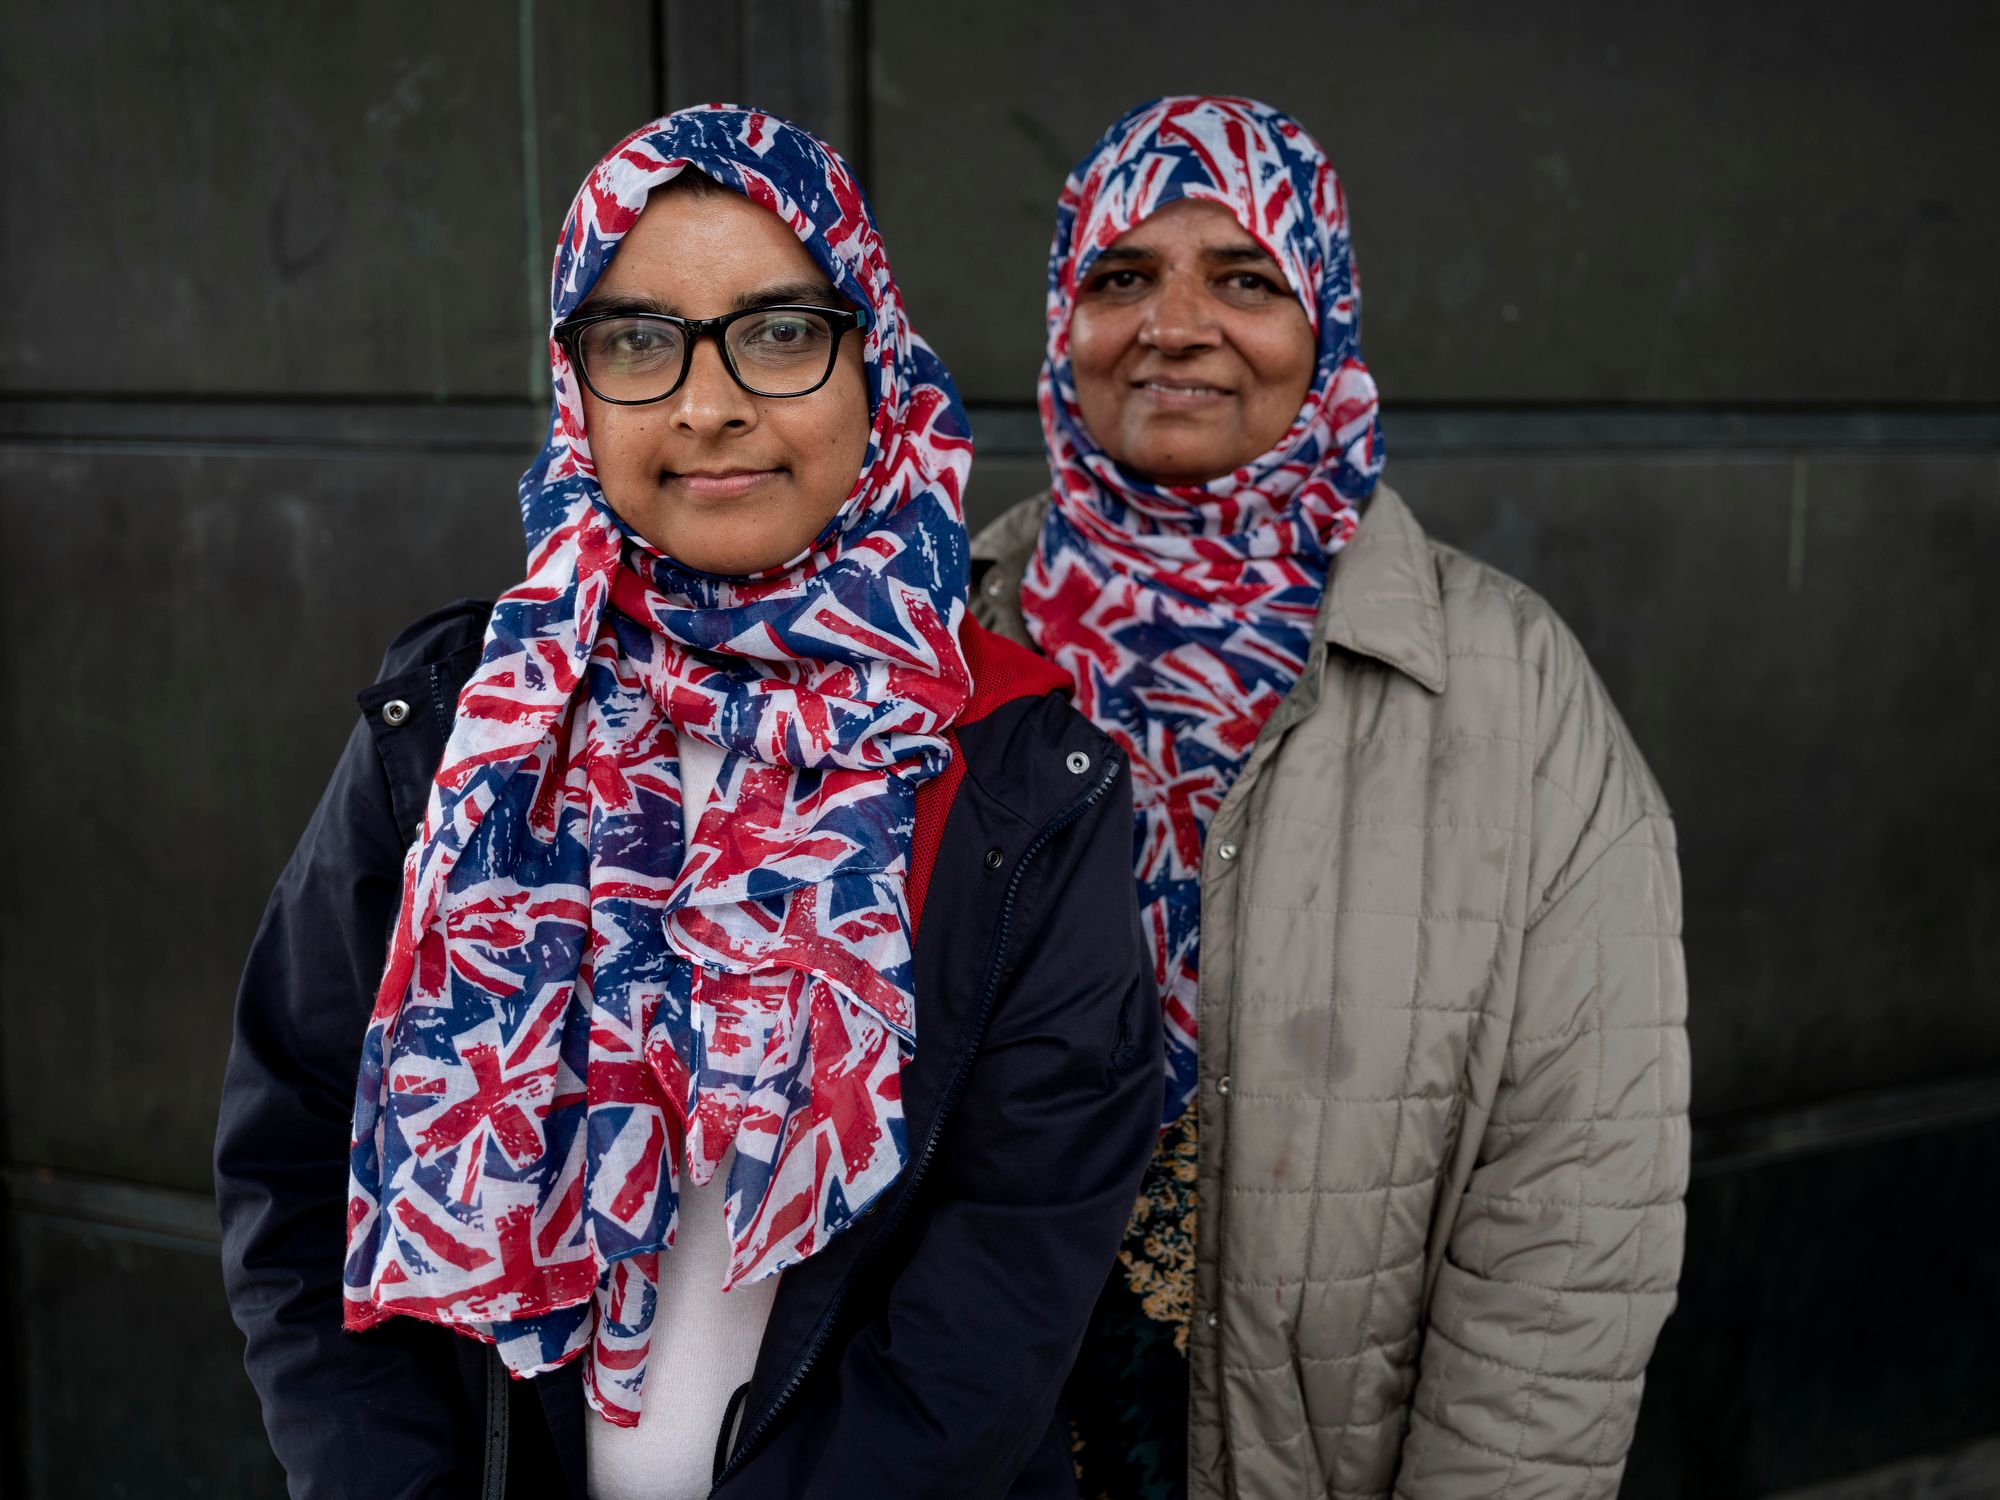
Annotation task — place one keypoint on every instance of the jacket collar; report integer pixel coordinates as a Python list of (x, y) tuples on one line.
[(1381, 601), (1382, 598)]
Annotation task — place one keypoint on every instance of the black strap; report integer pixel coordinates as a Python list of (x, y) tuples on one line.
[(493, 1486)]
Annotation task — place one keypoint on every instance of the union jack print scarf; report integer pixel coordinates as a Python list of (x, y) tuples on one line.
[(580, 1003), (1184, 613)]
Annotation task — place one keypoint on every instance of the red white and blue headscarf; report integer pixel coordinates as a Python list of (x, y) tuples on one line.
[(580, 1003), (1184, 612)]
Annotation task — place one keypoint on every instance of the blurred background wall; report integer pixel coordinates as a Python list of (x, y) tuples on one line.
[(1686, 314)]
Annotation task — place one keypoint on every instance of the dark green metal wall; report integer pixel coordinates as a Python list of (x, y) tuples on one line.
[(1684, 314)]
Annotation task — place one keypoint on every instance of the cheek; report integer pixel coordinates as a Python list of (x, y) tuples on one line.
[(1282, 359), (1097, 342), (615, 439), (827, 434), (1099, 338), (1086, 340)]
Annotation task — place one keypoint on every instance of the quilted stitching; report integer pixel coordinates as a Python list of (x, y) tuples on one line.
[(1447, 986)]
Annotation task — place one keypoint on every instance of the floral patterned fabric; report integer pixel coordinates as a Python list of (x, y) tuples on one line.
[(1127, 1399)]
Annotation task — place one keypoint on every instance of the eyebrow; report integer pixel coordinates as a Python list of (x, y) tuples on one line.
[(814, 293), (1214, 254), (1237, 252), (809, 293)]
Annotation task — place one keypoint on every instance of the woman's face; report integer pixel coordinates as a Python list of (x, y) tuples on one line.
[(716, 478), (1191, 354)]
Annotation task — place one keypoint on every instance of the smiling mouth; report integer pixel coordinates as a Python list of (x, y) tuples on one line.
[(1180, 391), (721, 484)]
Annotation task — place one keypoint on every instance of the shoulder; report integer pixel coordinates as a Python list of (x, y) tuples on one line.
[(1010, 537), (1025, 747), (407, 710), (436, 637), (430, 657), (1490, 615), (1589, 782)]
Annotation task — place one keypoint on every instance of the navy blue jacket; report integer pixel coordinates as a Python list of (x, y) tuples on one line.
[(922, 1352)]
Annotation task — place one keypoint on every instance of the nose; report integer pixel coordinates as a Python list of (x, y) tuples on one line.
[(710, 402), (1180, 319)]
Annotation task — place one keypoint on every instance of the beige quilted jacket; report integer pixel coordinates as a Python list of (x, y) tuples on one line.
[(1444, 1076)]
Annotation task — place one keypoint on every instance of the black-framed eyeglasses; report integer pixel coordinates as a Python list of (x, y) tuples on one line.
[(631, 359)]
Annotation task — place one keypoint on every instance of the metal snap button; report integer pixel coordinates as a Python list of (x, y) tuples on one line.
[(1213, 1321), (995, 586), (1226, 851), (1222, 1084), (1078, 762), (993, 859), (394, 712)]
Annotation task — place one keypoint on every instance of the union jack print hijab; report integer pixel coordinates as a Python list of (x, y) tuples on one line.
[(1184, 613), (581, 1004)]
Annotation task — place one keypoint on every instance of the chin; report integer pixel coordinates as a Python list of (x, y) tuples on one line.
[(1179, 458), (727, 545), (728, 556), (727, 565), (1177, 468)]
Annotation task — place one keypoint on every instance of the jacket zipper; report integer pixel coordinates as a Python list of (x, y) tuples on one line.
[(952, 1089)]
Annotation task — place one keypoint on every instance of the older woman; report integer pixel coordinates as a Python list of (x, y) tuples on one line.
[(1409, 891), (763, 1057)]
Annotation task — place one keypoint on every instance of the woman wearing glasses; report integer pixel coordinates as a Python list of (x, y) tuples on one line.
[(1409, 891), (756, 1056)]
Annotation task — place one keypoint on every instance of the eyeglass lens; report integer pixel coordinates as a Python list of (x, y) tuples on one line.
[(779, 352)]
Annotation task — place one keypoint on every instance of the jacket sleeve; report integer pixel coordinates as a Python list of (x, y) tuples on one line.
[(1562, 1264), (1024, 1214), (379, 1414)]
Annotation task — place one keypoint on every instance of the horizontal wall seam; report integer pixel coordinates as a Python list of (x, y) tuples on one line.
[(180, 1219), (1444, 431), (1847, 1123), (1002, 431), (156, 1215), (331, 429)]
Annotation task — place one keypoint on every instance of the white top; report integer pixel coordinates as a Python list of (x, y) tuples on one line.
[(704, 1339)]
